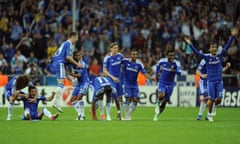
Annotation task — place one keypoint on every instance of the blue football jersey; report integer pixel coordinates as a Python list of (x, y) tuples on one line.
[(164, 67), (63, 51), (213, 63), (202, 67), (32, 106), (113, 64), (83, 73), (130, 72)]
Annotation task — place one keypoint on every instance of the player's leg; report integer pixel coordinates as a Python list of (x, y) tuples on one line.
[(128, 100), (81, 107), (10, 99), (60, 73), (93, 105), (109, 101), (203, 91), (135, 99), (83, 91), (48, 114), (118, 101), (26, 114), (75, 102), (218, 99), (210, 102)]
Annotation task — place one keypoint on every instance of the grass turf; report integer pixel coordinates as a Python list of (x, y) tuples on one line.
[(175, 126)]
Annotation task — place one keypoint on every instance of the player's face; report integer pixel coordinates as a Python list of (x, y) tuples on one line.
[(134, 55), (74, 39), (213, 49), (33, 93), (171, 56), (115, 49), (77, 56)]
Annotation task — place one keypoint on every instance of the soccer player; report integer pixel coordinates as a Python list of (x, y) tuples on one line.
[(101, 86), (62, 56), (13, 89), (203, 90), (168, 68), (112, 69), (81, 88), (30, 103), (131, 69), (214, 71)]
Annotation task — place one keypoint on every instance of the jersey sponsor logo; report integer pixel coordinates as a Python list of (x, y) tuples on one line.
[(116, 63), (131, 69)]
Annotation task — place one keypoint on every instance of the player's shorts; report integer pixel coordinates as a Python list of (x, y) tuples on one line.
[(117, 86), (81, 89), (215, 89), (7, 93), (59, 69), (203, 89), (167, 89), (131, 92)]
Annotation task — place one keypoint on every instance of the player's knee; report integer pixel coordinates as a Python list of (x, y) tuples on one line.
[(218, 101)]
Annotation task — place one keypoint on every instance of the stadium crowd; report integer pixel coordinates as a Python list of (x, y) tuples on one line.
[(31, 31)]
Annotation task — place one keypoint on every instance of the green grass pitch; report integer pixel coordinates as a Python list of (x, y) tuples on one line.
[(175, 126)]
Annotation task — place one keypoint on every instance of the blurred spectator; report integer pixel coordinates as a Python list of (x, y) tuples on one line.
[(94, 69), (52, 48), (4, 68)]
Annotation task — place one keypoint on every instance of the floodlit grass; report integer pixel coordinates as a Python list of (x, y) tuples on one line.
[(175, 126)]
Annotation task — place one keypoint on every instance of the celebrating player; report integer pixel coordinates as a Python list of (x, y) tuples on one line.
[(101, 86), (31, 102), (168, 67), (13, 90), (81, 88), (131, 68), (214, 71), (63, 55), (112, 69)]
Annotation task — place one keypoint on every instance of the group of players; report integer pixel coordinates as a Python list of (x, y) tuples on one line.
[(119, 79)]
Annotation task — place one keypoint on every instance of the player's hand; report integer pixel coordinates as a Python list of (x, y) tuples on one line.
[(228, 65), (79, 65), (187, 40), (173, 68), (204, 76), (115, 79)]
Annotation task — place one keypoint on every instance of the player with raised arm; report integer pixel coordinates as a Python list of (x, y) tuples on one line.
[(131, 69), (166, 70), (203, 90), (62, 56), (101, 87), (82, 85), (30, 104), (214, 71), (13, 89), (112, 70)]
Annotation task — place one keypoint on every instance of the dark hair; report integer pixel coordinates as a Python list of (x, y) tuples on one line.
[(31, 87), (113, 44), (72, 34), (170, 51), (22, 81), (75, 52), (107, 90)]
